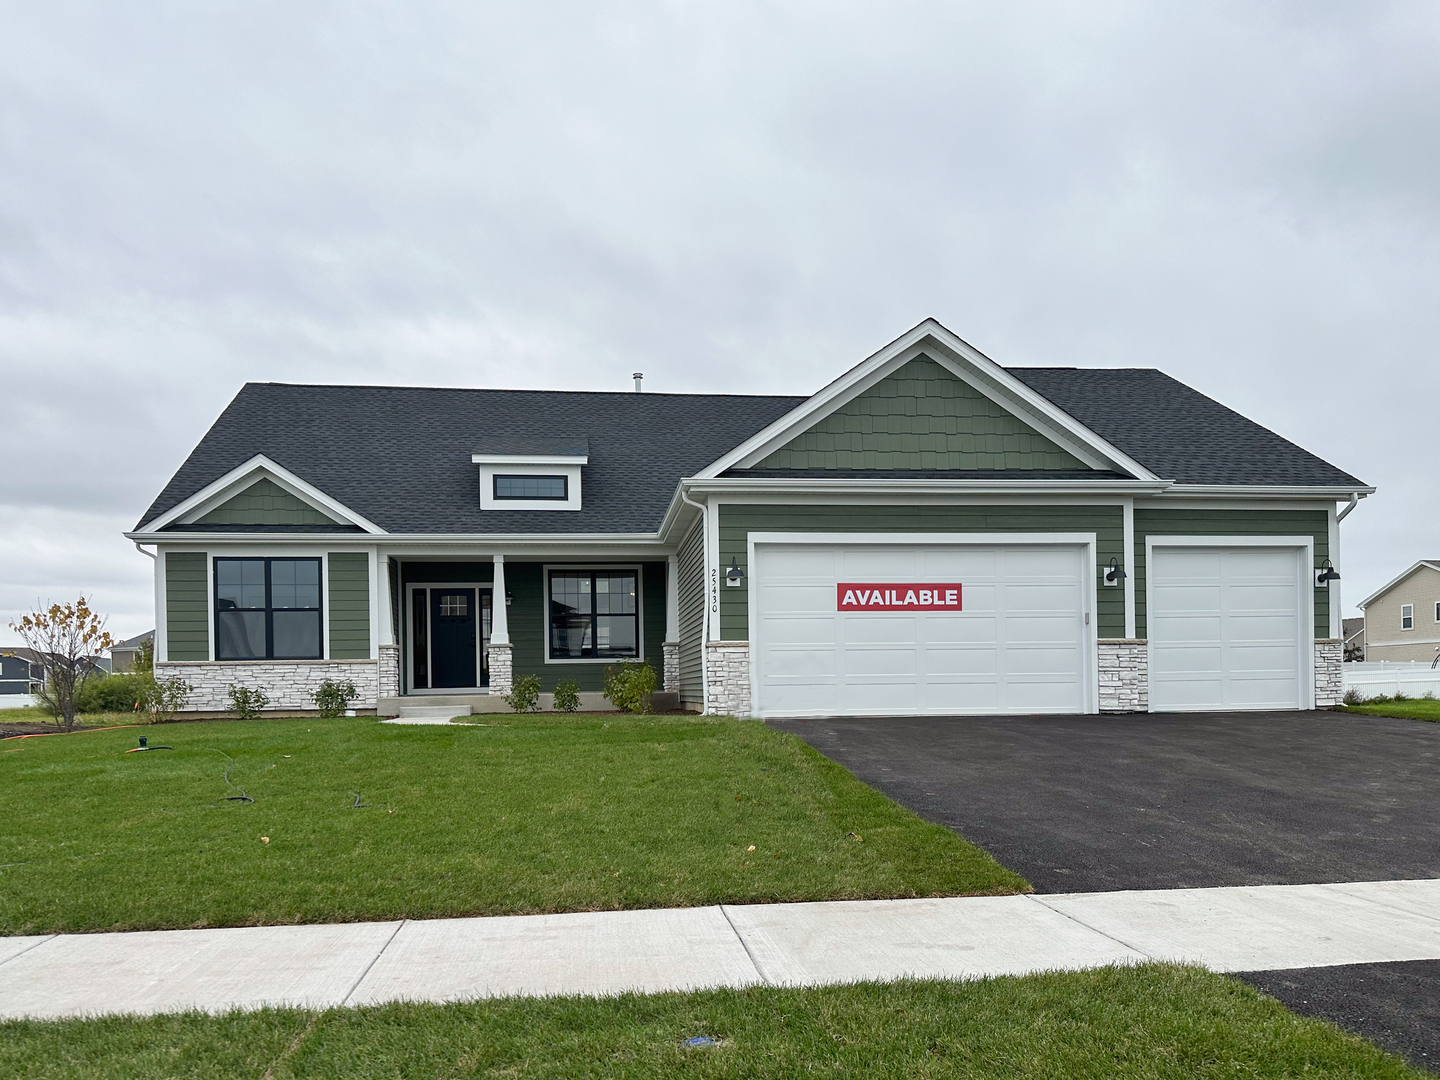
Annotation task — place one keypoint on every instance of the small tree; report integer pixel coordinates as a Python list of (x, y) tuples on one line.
[(64, 638), (144, 660)]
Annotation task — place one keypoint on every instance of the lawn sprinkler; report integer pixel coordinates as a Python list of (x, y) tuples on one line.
[(145, 745)]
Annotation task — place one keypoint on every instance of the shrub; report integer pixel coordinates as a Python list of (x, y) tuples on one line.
[(1353, 697), (113, 693), (628, 686), (524, 696), (567, 695), (163, 698), (246, 702), (333, 698)]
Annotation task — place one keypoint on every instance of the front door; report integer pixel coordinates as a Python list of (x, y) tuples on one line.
[(453, 625)]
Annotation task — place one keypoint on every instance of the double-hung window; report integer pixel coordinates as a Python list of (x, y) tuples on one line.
[(267, 609), (1407, 616), (594, 614)]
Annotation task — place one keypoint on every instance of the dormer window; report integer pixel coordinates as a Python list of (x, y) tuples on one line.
[(531, 473), (510, 486)]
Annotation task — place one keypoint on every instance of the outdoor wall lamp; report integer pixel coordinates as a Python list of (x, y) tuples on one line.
[(734, 576), (1326, 574), (1116, 574), (509, 597)]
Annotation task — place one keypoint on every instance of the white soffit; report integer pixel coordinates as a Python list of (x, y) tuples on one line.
[(966, 363), (241, 477)]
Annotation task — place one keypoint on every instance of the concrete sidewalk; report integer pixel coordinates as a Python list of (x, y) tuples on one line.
[(1227, 929)]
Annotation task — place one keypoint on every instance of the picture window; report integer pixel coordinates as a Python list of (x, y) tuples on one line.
[(594, 614), (267, 609), (553, 488)]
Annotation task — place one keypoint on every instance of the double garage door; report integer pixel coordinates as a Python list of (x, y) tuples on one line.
[(1017, 641), (1228, 629)]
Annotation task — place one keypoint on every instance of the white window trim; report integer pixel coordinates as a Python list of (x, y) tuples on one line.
[(639, 571), (1306, 546), (529, 465), (1403, 616), (1085, 541)]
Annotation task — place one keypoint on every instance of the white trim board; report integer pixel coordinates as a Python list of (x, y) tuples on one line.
[(963, 361)]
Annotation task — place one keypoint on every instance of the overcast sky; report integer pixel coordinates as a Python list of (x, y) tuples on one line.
[(740, 197)]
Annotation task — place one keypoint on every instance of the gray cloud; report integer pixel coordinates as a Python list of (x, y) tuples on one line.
[(751, 197)]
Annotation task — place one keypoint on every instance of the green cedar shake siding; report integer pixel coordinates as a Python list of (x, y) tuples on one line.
[(1106, 522), (187, 606), (349, 605), (690, 572), (921, 417), (528, 623), (265, 503), (1160, 521)]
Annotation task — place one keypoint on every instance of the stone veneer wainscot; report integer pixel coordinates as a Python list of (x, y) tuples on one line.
[(727, 678), (289, 684)]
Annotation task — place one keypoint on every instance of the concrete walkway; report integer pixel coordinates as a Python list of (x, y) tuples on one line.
[(1226, 929)]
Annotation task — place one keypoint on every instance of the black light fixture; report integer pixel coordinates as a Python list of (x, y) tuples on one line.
[(509, 597), (734, 576), (1327, 573), (1116, 574)]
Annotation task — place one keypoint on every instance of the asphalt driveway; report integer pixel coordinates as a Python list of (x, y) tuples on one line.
[(1094, 803)]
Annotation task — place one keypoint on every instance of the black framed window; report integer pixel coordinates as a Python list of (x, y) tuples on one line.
[(594, 614), (267, 609), (556, 488)]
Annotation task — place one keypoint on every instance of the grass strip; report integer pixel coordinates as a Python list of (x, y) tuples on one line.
[(1150, 1021), (1402, 708), (536, 814)]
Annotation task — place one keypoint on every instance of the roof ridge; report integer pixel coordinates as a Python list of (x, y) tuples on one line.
[(517, 390)]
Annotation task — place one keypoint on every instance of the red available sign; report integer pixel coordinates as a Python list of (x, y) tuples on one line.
[(904, 596)]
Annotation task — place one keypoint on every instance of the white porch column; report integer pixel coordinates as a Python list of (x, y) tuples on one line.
[(385, 648), (671, 648), (502, 670)]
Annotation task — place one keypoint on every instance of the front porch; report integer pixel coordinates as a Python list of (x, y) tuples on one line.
[(455, 642)]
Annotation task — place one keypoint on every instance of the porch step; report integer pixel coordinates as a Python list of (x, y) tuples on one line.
[(432, 712)]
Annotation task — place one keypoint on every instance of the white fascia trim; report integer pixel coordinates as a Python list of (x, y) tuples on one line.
[(1386, 588), (965, 362), (1271, 490), (530, 459), (339, 540), (743, 485), (241, 477)]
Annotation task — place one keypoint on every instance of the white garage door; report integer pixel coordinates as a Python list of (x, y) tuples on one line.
[(1017, 644), (1227, 628)]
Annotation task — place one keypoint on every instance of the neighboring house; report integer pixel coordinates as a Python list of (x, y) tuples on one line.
[(122, 656), (1402, 620), (1352, 633), (930, 533), (14, 673)]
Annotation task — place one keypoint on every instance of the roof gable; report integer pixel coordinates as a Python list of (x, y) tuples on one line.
[(265, 503), (985, 378), (1424, 564), (921, 416)]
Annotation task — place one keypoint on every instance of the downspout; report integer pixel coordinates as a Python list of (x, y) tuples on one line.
[(705, 611), (147, 554), (1355, 498)]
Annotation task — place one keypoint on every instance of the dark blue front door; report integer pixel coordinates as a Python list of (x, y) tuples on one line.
[(452, 644)]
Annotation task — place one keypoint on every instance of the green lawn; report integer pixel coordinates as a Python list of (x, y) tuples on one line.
[(1152, 1021), (1407, 709), (524, 814)]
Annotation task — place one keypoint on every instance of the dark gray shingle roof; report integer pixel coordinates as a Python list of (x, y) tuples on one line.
[(401, 455), (1179, 433)]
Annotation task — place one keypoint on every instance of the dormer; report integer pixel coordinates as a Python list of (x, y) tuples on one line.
[(531, 472)]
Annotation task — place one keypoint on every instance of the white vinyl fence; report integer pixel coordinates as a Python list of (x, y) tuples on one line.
[(1386, 678)]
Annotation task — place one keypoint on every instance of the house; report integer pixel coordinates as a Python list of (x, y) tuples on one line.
[(15, 673), (1352, 638), (1402, 620), (122, 656), (930, 533)]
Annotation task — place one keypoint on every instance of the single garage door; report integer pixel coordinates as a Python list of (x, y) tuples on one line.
[(1228, 628), (1016, 641)]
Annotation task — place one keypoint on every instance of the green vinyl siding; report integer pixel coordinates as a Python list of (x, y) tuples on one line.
[(187, 606), (921, 417), (1162, 521), (349, 605), (690, 572), (265, 503), (1106, 522), (528, 621)]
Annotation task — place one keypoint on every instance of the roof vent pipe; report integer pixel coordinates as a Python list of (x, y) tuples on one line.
[(639, 377)]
